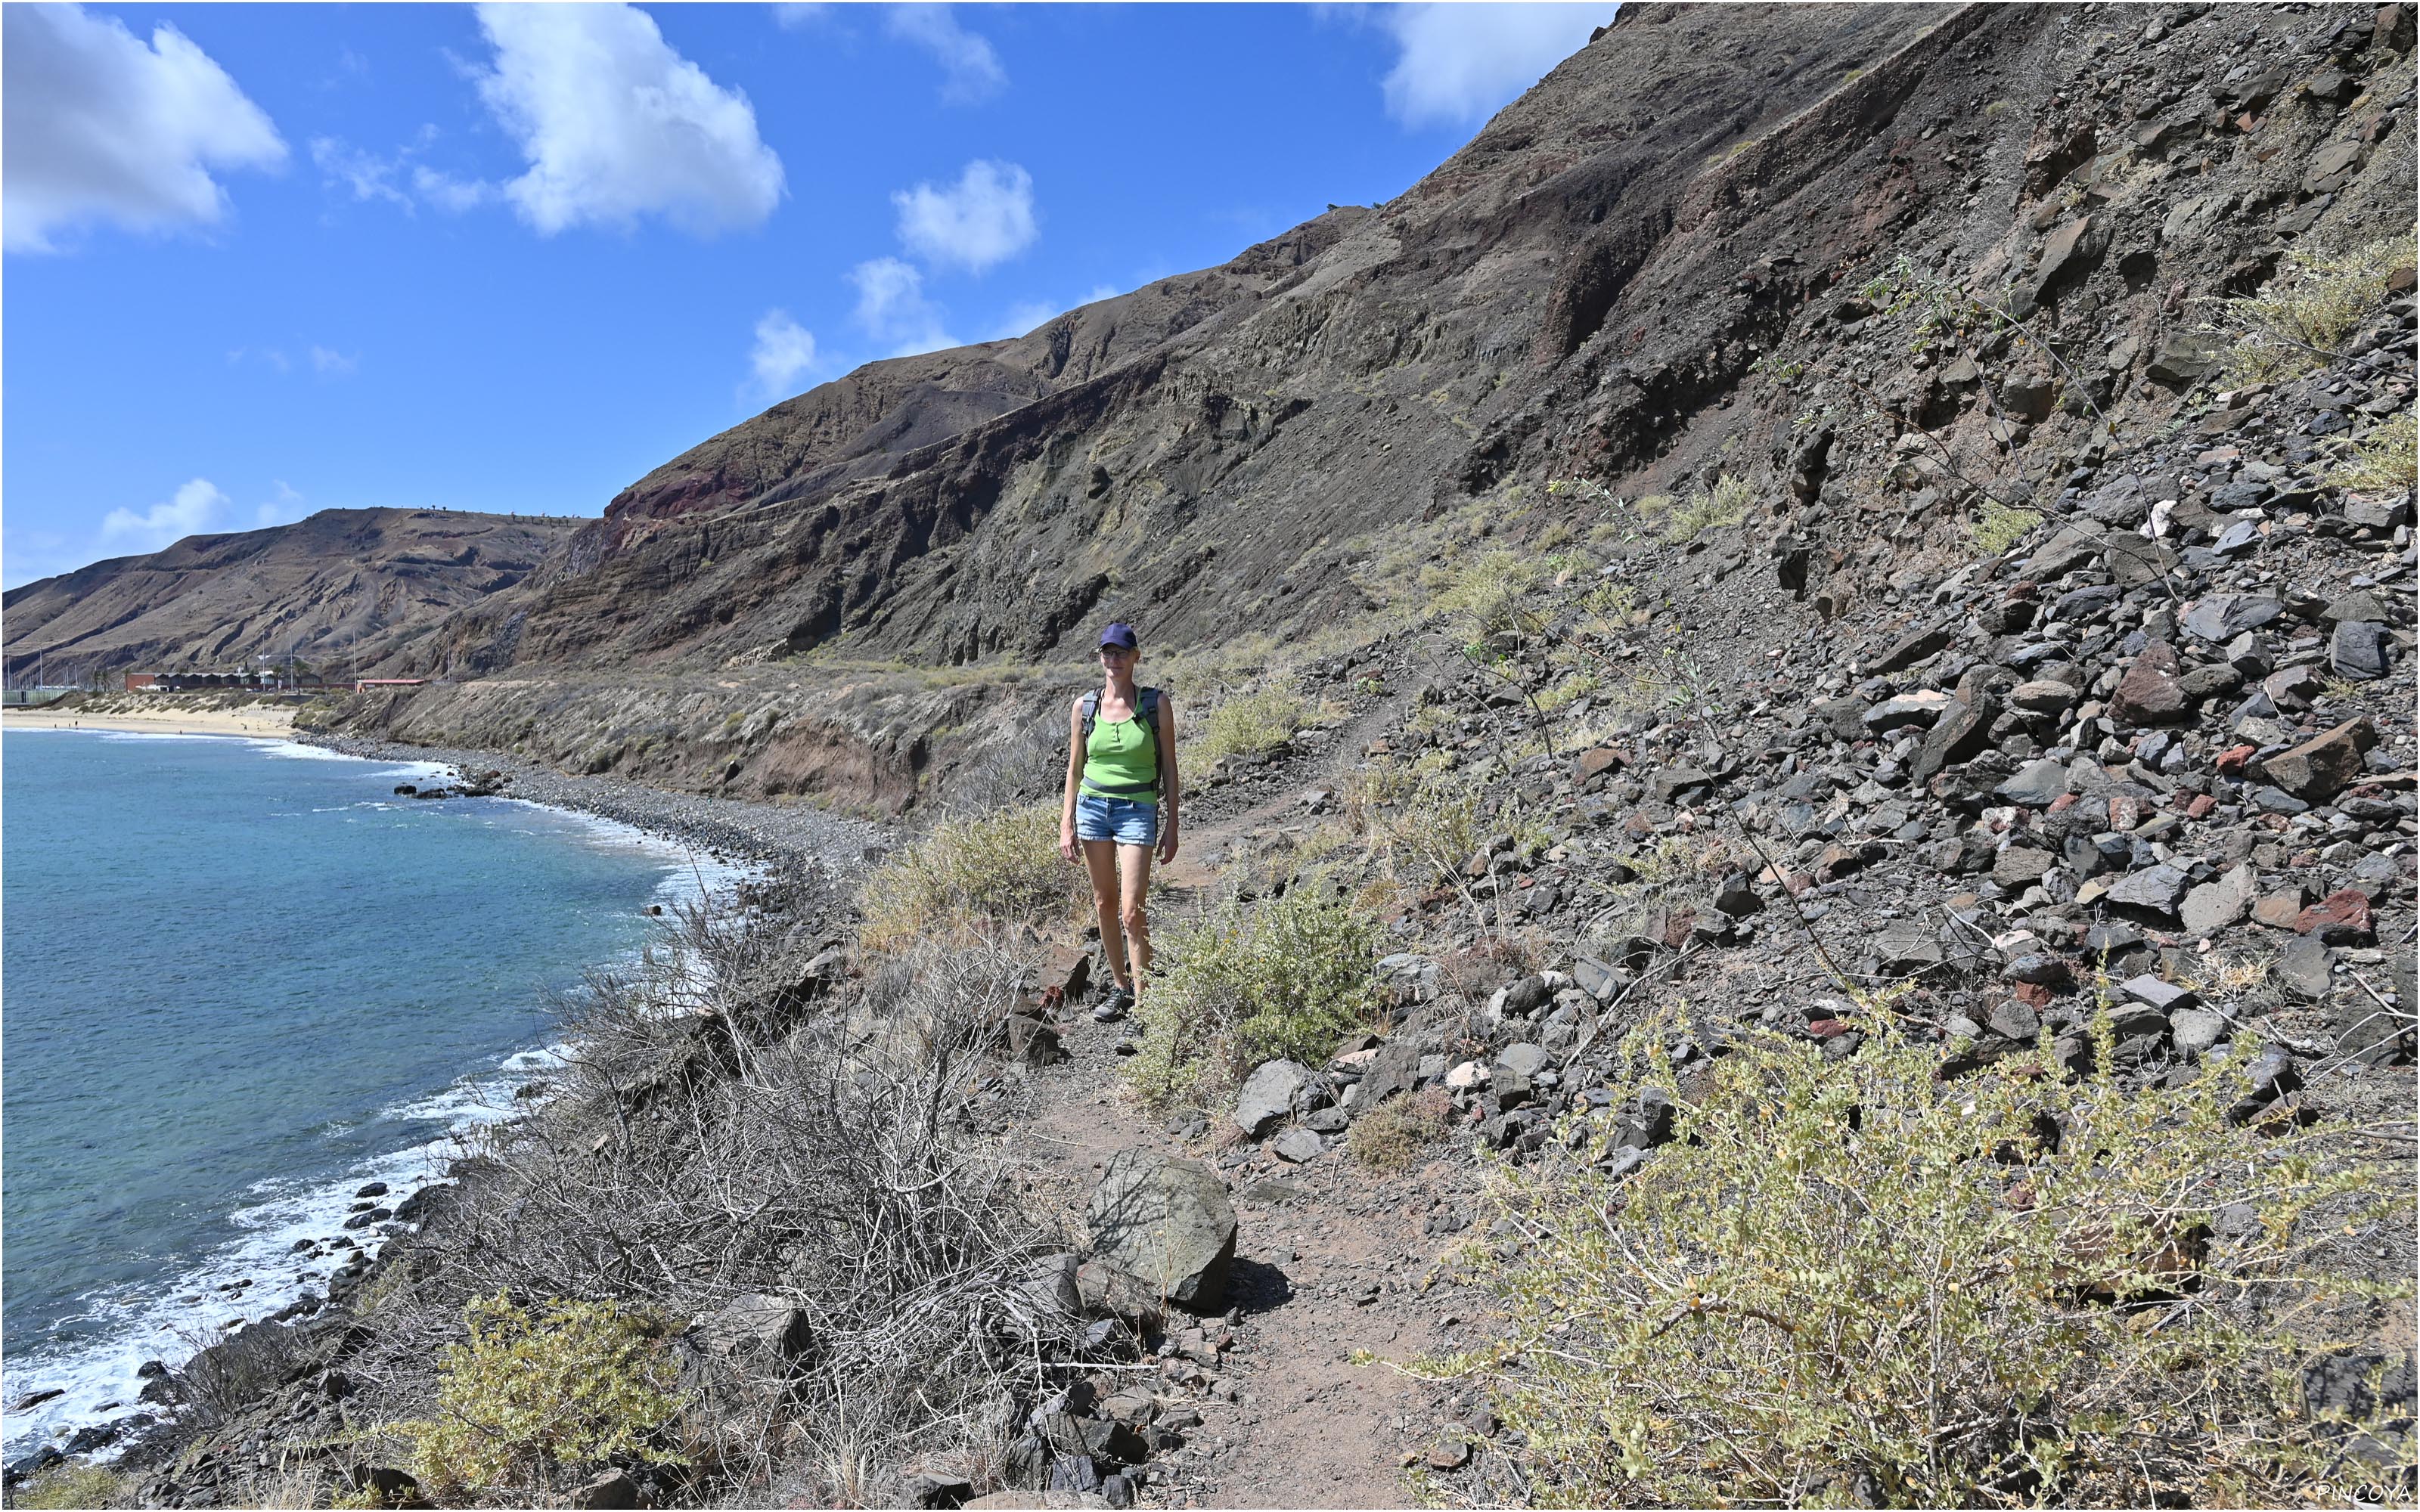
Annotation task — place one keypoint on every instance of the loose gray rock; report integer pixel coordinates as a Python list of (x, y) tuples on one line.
[(2159, 888), (1298, 1145), (2196, 1029), (2214, 905), (2305, 967), (1269, 1094), (2358, 651), (1167, 1222)]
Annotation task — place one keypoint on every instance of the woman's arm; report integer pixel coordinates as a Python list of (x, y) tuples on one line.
[(1075, 776), (1169, 787)]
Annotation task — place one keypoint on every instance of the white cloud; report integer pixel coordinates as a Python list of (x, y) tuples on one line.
[(328, 363), (617, 125), (784, 349), (793, 17), (101, 126), (367, 176), (448, 192), (970, 69), (1023, 316), (285, 508), (190, 512), (985, 218), (892, 307), (1459, 64)]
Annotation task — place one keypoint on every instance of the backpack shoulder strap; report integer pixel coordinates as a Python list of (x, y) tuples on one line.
[(1092, 706)]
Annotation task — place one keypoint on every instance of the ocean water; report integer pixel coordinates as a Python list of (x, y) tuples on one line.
[(242, 981)]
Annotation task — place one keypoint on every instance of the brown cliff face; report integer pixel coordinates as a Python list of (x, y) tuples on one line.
[(344, 589), (1208, 446)]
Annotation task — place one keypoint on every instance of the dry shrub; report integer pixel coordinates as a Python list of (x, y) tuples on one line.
[(705, 1149), (2297, 320), (1853, 1283), (1491, 592), (1250, 984), (2385, 459), (1390, 1137), (1002, 867)]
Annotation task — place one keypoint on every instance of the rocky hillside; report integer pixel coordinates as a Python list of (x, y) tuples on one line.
[(344, 589), (1657, 269)]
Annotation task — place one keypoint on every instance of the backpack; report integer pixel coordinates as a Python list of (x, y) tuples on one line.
[(1146, 711)]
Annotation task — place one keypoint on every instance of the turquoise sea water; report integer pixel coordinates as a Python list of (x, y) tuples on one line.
[(242, 979)]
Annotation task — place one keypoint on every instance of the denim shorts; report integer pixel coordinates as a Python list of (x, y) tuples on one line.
[(1124, 820)]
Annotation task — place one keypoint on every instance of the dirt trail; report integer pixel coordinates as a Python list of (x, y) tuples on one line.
[(1330, 1255)]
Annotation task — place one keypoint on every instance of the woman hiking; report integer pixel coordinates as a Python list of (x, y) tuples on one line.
[(1121, 801)]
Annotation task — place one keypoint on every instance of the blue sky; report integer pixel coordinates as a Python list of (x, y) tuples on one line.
[(262, 260)]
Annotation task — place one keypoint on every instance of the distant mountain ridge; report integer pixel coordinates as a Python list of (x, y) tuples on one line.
[(349, 587)]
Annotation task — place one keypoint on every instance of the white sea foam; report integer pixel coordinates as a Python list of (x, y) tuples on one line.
[(126, 1327)]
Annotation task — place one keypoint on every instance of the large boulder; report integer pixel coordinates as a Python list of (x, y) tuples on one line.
[(1167, 1222)]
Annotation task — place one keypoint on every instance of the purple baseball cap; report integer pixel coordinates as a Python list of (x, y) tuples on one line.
[(1119, 634)]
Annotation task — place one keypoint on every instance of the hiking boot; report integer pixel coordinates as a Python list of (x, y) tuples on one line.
[(1113, 1007)]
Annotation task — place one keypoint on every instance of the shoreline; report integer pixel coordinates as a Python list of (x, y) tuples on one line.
[(257, 723), (749, 837), (797, 835)]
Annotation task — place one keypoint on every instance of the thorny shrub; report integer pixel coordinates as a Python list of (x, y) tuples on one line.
[(530, 1403), (1388, 1137), (1253, 983), (2295, 322), (1003, 866), (1851, 1282)]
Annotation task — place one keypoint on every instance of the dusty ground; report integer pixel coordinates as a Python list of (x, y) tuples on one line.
[(1332, 1258)]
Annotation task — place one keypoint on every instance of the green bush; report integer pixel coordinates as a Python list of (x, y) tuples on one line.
[(528, 1405), (1250, 984), (1002, 865), (2001, 526), (1852, 1281)]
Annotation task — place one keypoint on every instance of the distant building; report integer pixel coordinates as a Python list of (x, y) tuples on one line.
[(142, 682)]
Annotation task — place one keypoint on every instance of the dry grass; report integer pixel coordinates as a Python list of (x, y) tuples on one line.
[(1389, 1137), (1248, 724), (1725, 503), (995, 869)]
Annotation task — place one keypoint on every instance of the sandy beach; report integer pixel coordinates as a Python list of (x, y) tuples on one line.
[(258, 719)]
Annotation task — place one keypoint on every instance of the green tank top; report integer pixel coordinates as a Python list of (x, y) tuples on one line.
[(1122, 761)]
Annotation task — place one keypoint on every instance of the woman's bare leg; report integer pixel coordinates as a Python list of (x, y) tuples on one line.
[(1101, 861), (1134, 886)]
